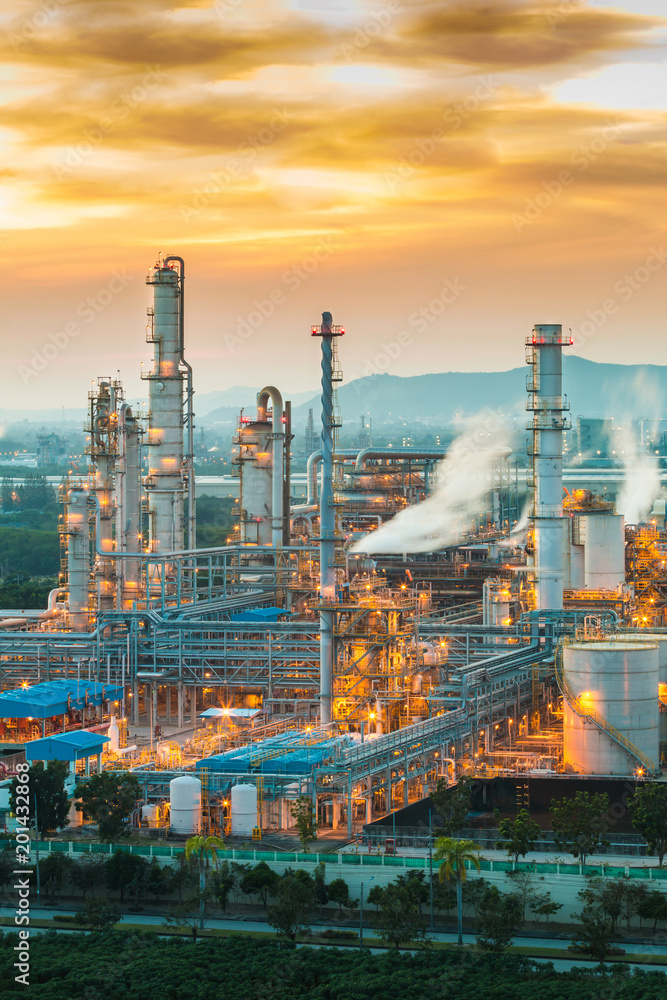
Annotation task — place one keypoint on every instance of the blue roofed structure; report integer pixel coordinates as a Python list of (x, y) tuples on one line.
[(42, 701), (261, 615), (78, 745)]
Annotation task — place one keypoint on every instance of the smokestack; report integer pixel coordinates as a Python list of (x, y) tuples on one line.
[(327, 331), (545, 398)]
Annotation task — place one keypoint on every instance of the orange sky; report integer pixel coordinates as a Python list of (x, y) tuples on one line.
[(451, 172)]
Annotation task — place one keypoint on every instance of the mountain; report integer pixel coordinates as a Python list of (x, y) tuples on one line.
[(593, 389), (224, 404)]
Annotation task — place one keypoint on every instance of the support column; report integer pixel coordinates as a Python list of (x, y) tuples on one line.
[(135, 704), (167, 703), (193, 705), (154, 705), (349, 809), (179, 700)]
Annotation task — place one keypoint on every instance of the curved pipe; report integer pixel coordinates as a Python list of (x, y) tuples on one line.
[(278, 477), (422, 453)]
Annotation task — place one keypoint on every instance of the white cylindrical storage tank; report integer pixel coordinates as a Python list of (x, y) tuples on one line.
[(255, 462), (618, 680), (603, 536), (660, 638), (114, 735), (149, 812), (185, 804), (244, 810)]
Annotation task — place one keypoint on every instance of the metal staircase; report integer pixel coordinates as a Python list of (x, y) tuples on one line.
[(587, 713)]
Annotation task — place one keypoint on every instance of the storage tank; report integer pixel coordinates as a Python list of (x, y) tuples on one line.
[(114, 734), (618, 680), (660, 639), (244, 810), (185, 804), (603, 537)]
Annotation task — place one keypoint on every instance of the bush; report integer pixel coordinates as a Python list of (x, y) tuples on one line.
[(330, 932)]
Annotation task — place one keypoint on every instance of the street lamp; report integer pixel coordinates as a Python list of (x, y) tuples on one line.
[(361, 912)]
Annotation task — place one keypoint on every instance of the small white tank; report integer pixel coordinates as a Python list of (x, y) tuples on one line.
[(244, 810), (113, 733), (185, 804), (619, 681), (150, 813)]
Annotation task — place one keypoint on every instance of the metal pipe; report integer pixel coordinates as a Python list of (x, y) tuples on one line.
[(278, 470), (418, 453)]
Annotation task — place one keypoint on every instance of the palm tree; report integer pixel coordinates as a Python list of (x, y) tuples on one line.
[(201, 847), (454, 854)]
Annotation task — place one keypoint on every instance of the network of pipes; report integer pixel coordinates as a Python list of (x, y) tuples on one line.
[(407, 624)]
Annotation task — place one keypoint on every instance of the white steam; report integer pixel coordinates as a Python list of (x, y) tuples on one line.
[(463, 479), (641, 484)]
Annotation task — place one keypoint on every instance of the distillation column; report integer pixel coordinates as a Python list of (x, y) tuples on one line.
[(165, 483), (128, 507), (327, 331), (278, 469), (77, 529), (103, 450), (545, 387)]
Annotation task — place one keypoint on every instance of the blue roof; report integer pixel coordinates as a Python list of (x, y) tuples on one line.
[(41, 701), (259, 615), (66, 746)]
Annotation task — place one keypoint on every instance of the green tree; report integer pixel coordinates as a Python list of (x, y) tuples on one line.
[(543, 905), (55, 870), (201, 848), (98, 914), (524, 887), (303, 814), (157, 879), (500, 917), (653, 907), (452, 805), (88, 872), (580, 823), (224, 880), (518, 836), (339, 892), (454, 854), (594, 935), (125, 871), (607, 894), (190, 913), (290, 913), (648, 812), (398, 920), (47, 785), (417, 885), (320, 887), (444, 895), (108, 799), (262, 881)]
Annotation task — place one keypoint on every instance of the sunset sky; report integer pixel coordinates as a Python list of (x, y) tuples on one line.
[(451, 172)]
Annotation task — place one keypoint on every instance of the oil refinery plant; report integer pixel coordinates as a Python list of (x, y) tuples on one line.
[(309, 657)]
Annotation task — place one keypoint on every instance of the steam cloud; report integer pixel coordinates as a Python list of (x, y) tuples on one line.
[(462, 480), (642, 476)]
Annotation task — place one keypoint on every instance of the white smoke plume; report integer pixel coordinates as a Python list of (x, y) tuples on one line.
[(641, 483), (461, 483)]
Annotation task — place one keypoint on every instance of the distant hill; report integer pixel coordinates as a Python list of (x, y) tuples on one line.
[(593, 389), (224, 404)]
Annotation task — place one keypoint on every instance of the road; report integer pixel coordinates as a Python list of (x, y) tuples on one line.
[(235, 924)]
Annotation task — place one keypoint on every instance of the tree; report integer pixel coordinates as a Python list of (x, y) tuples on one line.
[(89, 871), (523, 887), (320, 888), (339, 892), (454, 854), (54, 870), (580, 823), (500, 917), (201, 848), (415, 882), (157, 880), (303, 814), (108, 799), (452, 805), (518, 836), (261, 880), (608, 895), (125, 871), (648, 812), (543, 906), (594, 934), (98, 914), (398, 920), (189, 913), (653, 907), (47, 785), (444, 895), (295, 898), (224, 880)]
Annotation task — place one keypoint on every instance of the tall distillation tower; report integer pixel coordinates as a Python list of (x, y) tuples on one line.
[(544, 352), (170, 470)]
